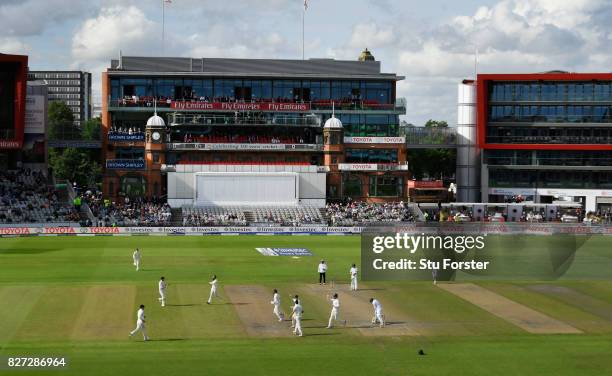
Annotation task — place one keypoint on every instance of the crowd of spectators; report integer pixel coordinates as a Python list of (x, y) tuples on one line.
[(126, 211), (213, 217), (243, 139), (293, 216), (25, 197), (125, 130), (353, 100), (359, 213)]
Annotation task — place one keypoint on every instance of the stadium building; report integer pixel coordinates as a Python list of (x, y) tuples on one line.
[(13, 88), (70, 87), (230, 131), (543, 137)]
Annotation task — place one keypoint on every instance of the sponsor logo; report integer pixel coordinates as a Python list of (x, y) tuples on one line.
[(284, 251), (10, 144), (59, 230), (104, 230), (238, 106), (140, 230), (14, 231)]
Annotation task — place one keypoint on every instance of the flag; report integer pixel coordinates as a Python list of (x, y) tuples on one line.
[(168, 1), (305, 5)]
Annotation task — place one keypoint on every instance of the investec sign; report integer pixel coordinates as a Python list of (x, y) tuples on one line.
[(374, 140), (240, 106)]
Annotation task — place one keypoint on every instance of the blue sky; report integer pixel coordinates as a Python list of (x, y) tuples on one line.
[(432, 43)]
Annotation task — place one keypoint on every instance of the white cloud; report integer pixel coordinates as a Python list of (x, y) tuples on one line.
[(114, 28), (13, 46), (32, 17), (370, 34), (512, 36)]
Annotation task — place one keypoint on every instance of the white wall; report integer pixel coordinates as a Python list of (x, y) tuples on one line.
[(246, 188), (181, 184)]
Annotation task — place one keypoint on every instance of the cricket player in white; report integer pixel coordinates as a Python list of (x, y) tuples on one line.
[(136, 257), (335, 302), (322, 271), (353, 273), (213, 289), (296, 301), (140, 323), (297, 314), (378, 313), (276, 301), (162, 291)]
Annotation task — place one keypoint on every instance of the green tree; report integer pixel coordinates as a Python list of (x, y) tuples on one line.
[(61, 122), (436, 124), (90, 129), (75, 165), (433, 163)]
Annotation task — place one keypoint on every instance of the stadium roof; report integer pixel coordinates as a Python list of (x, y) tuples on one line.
[(250, 67)]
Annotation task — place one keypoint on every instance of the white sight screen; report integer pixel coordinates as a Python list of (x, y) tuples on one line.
[(246, 189)]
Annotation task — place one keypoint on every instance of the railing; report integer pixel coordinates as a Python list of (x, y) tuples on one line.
[(181, 119), (430, 136), (549, 140), (243, 146), (262, 105), (540, 161), (578, 119)]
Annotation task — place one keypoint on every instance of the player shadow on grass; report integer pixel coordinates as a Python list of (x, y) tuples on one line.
[(167, 339), (184, 305), (232, 303), (29, 251)]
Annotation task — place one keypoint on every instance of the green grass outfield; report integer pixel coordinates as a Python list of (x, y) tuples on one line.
[(77, 297)]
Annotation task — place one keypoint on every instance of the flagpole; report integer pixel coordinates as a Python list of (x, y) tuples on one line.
[(163, 25), (303, 18)]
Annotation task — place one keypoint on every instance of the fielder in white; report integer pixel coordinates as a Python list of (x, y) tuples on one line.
[(378, 313), (353, 273), (335, 302), (296, 301), (297, 314), (162, 291), (140, 323), (213, 289), (276, 302), (136, 258)]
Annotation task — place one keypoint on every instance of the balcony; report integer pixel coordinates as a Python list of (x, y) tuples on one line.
[(125, 164), (185, 146), (321, 106), (372, 167), (181, 119)]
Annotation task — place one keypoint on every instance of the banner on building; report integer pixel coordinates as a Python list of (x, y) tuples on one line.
[(241, 106)]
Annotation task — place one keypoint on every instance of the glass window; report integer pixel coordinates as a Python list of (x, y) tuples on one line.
[(352, 186), (386, 186)]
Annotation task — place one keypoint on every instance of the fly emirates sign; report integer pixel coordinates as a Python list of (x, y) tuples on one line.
[(241, 106)]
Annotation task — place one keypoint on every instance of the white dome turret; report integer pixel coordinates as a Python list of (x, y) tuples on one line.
[(333, 121), (156, 121)]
